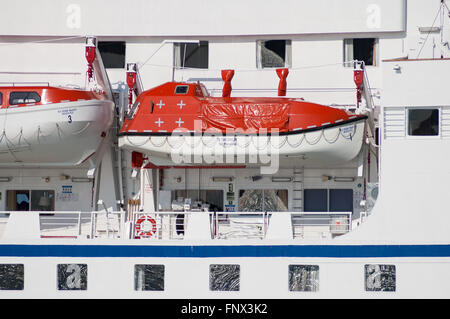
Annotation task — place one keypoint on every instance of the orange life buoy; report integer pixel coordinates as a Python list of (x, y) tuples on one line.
[(145, 227)]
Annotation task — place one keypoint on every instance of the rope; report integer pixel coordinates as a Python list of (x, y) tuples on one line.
[(434, 21), (256, 142)]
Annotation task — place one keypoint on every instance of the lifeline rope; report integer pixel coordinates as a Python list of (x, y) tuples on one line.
[(211, 142)]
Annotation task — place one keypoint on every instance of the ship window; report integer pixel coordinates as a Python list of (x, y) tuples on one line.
[(1, 98), (23, 97), (263, 200), (328, 200), (181, 89), (273, 53), (113, 54), (191, 55), (364, 49), (213, 198), (26, 200), (303, 278), (423, 122), (224, 277), (149, 277), (379, 277), (11, 277), (72, 276)]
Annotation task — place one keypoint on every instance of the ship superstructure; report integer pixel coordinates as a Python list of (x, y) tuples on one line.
[(353, 206)]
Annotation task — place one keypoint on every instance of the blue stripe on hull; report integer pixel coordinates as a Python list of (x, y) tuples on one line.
[(324, 251)]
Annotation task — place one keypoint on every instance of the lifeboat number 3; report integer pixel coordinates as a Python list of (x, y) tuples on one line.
[(145, 227)]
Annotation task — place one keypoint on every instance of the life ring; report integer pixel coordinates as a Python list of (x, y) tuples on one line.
[(145, 227)]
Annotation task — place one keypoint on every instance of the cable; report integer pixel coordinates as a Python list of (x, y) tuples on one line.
[(423, 44), (41, 41)]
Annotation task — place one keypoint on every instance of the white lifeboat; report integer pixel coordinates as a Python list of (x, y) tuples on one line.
[(51, 126)]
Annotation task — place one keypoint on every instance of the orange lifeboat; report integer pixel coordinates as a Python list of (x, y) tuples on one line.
[(179, 123)]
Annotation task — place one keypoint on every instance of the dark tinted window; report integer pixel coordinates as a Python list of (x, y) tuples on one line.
[(181, 89), (149, 277), (273, 53), (11, 277), (72, 276), (224, 277), (364, 50), (192, 55), (316, 200), (23, 97), (341, 200), (113, 54), (423, 122)]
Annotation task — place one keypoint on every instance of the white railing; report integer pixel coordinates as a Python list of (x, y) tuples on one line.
[(175, 225), (69, 224), (3, 222), (321, 224), (159, 225), (248, 225)]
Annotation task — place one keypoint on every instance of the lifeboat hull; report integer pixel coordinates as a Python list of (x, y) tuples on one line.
[(334, 144), (55, 134)]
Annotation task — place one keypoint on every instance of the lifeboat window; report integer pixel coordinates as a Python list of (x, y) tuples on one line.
[(423, 122), (182, 89), (303, 278), (23, 98), (224, 277), (66, 273), (11, 276), (149, 277), (379, 277)]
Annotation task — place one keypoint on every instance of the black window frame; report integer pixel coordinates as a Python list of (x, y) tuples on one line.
[(27, 94), (188, 60), (108, 50), (358, 45), (184, 87), (272, 45), (430, 131), (328, 197)]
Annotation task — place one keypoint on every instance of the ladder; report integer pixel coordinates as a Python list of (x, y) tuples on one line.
[(297, 183)]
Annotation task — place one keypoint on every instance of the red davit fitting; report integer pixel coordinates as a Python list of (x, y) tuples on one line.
[(131, 81), (227, 75), (90, 55), (358, 77), (282, 74)]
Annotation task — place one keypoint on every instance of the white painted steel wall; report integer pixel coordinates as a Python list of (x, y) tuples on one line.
[(412, 204), (200, 17)]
